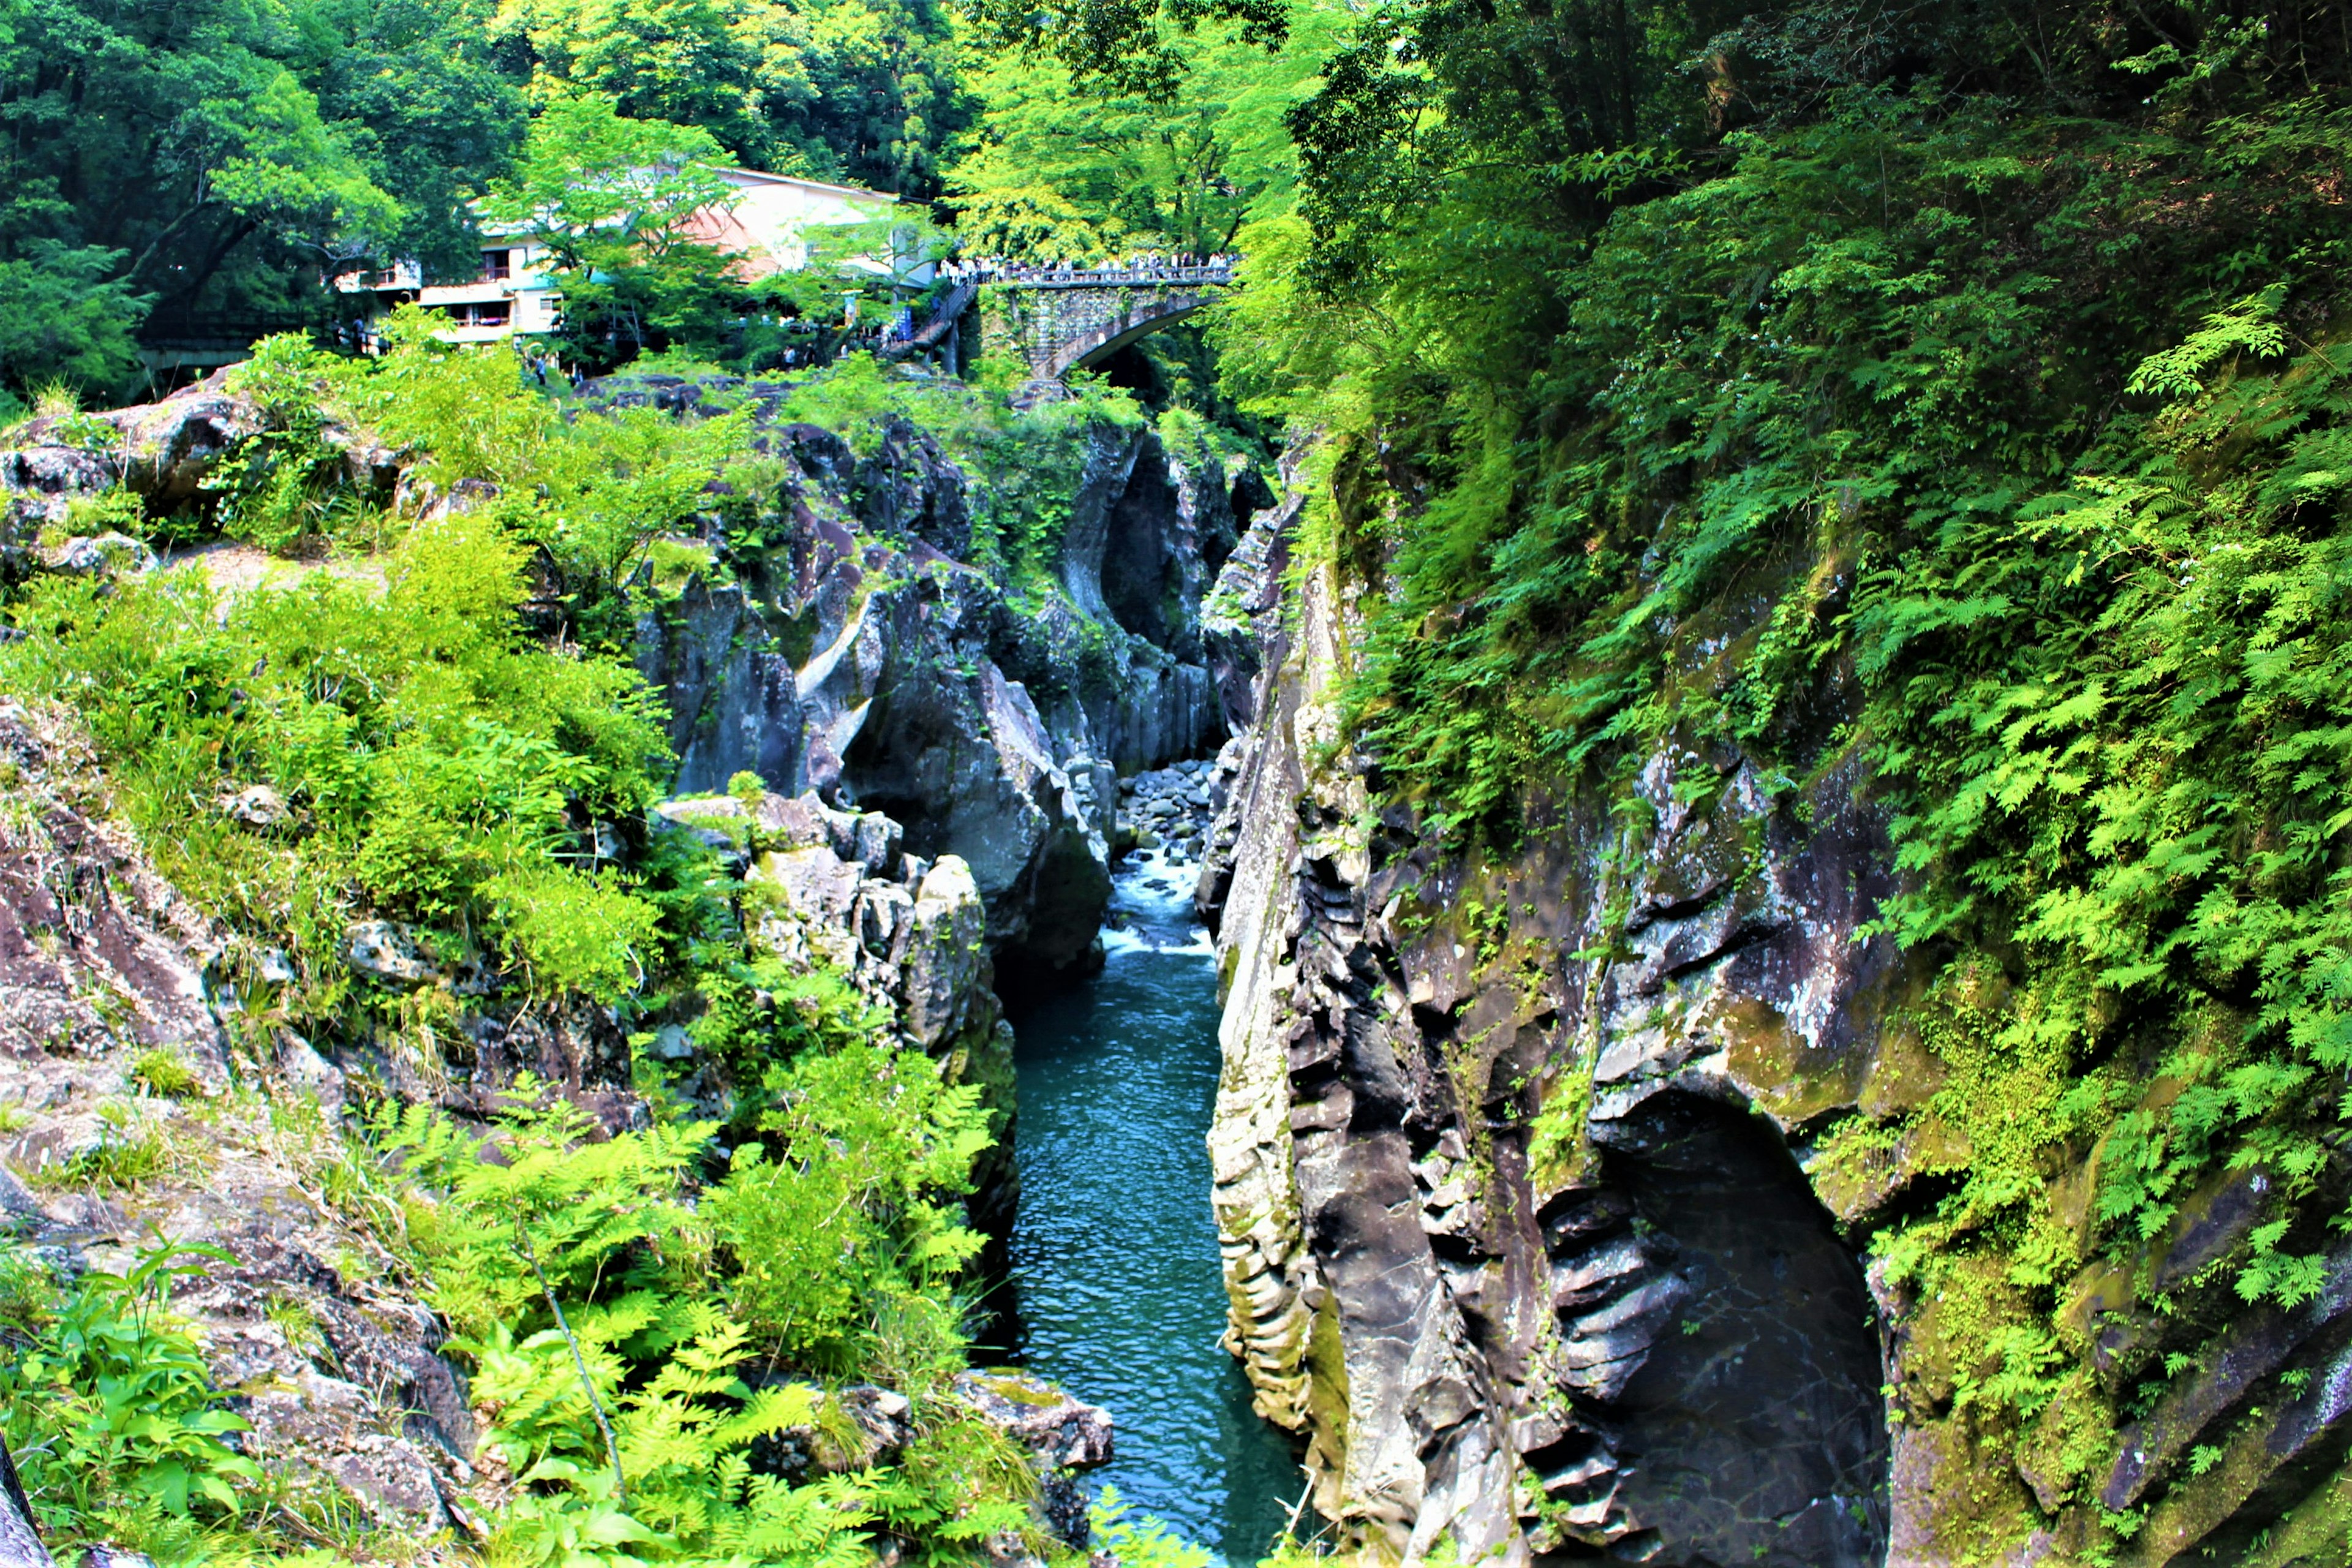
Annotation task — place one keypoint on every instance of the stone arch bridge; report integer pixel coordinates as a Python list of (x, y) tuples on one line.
[(1059, 322)]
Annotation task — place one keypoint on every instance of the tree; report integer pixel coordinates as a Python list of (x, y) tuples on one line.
[(64, 317), (1123, 44), (612, 197), (836, 90), (216, 160), (1053, 169), (590, 175)]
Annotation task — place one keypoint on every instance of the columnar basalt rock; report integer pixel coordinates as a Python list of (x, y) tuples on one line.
[(1542, 1221), (1504, 1233)]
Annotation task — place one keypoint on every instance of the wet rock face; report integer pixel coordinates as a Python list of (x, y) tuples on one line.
[(1516, 1237), (1727, 1333)]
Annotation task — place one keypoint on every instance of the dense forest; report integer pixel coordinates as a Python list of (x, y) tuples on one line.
[(1939, 406)]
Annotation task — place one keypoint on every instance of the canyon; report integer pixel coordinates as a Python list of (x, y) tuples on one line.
[(1545, 1227)]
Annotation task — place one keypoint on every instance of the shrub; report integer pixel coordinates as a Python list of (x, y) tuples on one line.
[(165, 1073), (436, 762), (111, 1413)]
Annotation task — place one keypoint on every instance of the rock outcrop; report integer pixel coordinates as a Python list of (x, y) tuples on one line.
[(113, 1058), (834, 890), (161, 453), (837, 643), (838, 636), (1506, 1234), (1062, 1434), (1547, 1181)]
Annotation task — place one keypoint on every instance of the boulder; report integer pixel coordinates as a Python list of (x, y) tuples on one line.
[(99, 556), (388, 952), (255, 805), (1063, 1432), (40, 484), (171, 447), (309, 1073)]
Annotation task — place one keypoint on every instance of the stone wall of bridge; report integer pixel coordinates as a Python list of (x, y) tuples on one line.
[(1059, 327)]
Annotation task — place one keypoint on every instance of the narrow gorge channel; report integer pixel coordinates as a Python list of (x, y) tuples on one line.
[(1115, 1284)]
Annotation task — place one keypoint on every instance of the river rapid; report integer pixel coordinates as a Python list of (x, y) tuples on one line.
[(1114, 1278)]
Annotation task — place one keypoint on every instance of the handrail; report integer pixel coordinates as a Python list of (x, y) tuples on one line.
[(1104, 277)]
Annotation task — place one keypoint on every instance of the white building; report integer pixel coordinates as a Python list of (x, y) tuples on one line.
[(765, 228)]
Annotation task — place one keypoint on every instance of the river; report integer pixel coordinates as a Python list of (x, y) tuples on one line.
[(1116, 1287)]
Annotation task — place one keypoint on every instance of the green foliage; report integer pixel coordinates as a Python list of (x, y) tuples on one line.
[(613, 197), (214, 159), (1828, 414), (110, 1411), (594, 493), (602, 1215), (1122, 45), (601, 1225), (1025, 464), (847, 1213), (862, 91), (667, 1305), (163, 1072), (1051, 171), (433, 758), (62, 316), (129, 1149), (204, 166), (278, 488), (587, 173), (1144, 1542)]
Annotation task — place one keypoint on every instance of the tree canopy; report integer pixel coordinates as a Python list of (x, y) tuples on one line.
[(208, 167)]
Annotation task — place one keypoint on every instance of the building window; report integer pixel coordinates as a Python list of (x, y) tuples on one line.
[(490, 315), (496, 265)]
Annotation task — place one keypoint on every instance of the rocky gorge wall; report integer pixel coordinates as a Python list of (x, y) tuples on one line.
[(1541, 1219), (855, 650)]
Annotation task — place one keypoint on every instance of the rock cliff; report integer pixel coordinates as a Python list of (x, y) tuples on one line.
[(145, 1098), (939, 756), (1547, 1181), (836, 641), (835, 632)]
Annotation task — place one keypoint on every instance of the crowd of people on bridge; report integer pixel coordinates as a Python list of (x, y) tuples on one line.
[(1139, 266)]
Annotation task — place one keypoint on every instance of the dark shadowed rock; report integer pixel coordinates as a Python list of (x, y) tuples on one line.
[(1504, 1237)]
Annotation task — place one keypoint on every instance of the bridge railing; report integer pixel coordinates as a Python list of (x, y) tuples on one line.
[(1100, 277)]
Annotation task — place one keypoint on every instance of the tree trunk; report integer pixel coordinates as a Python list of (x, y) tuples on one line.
[(20, 1544)]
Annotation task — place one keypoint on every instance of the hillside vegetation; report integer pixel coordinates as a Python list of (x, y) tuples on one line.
[(1960, 394)]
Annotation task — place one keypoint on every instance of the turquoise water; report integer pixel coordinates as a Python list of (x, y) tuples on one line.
[(1114, 1275)]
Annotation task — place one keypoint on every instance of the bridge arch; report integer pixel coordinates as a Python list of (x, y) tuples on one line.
[(1062, 321), (1098, 344)]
